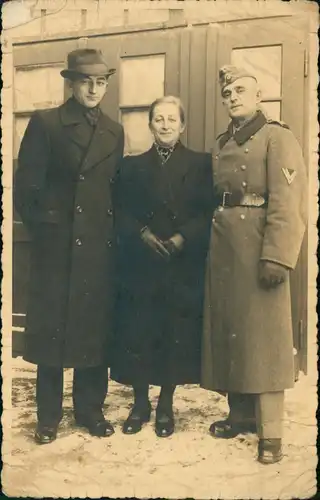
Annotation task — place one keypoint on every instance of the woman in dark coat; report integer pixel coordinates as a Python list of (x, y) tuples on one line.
[(163, 229)]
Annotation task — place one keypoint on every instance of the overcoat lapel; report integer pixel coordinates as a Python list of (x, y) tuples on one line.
[(97, 145), (102, 145), (75, 126)]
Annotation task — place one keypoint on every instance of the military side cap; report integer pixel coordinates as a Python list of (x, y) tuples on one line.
[(89, 62), (229, 74)]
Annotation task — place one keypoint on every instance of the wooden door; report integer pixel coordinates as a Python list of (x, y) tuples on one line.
[(275, 50), (147, 65)]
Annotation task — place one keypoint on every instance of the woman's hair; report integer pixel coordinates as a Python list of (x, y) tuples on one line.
[(170, 99)]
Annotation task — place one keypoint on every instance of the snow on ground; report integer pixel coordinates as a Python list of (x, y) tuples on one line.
[(189, 464)]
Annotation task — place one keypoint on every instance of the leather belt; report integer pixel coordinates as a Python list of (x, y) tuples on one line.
[(229, 200)]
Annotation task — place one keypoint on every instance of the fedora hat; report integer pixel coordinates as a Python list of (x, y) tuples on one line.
[(88, 62)]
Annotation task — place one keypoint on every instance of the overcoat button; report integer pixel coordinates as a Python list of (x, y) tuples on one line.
[(111, 180), (150, 215), (79, 209), (243, 167), (244, 184), (110, 211), (242, 216), (246, 150), (81, 177), (220, 209), (78, 242), (216, 157), (109, 243), (173, 217)]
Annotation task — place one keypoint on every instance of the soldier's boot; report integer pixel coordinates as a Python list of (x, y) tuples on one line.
[(269, 451), (225, 429), (241, 419)]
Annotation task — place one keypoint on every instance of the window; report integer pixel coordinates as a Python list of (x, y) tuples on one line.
[(266, 64), (20, 125), (141, 82), (35, 87)]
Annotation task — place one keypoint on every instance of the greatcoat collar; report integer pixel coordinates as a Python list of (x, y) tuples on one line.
[(244, 133)]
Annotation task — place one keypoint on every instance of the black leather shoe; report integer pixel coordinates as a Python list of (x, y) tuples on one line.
[(224, 429), (269, 451), (45, 434), (137, 417), (99, 428), (164, 423)]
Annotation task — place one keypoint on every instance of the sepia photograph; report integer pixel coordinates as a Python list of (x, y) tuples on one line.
[(160, 206)]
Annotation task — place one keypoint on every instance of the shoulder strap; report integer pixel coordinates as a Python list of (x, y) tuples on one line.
[(278, 122)]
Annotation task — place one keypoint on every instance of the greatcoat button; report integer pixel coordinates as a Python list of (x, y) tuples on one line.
[(220, 209), (243, 167), (79, 209), (111, 180), (78, 242), (246, 150), (173, 217), (242, 216), (110, 211), (81, 177), (244, 184), (109, 243)]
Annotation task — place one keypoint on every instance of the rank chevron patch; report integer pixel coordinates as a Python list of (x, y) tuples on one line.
[(289, 174)]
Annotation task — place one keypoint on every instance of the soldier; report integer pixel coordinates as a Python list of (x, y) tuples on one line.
[(64, 189), (257, 230)]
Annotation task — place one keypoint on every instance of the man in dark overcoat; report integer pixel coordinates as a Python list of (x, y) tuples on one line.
[(64, 190), (257, 230)]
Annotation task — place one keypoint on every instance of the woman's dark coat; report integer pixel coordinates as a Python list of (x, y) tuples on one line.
[(64, 194), (159, 308)]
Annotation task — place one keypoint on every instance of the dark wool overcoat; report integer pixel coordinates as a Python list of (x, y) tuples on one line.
[(247, 341), (64, 194), (160, 304)]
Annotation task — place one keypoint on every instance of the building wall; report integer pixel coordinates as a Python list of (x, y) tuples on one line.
[(53, 17)]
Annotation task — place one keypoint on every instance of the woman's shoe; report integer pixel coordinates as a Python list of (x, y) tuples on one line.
[(164, 423), (137, 417)]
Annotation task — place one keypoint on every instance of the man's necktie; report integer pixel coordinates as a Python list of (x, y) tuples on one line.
[(92, 115)]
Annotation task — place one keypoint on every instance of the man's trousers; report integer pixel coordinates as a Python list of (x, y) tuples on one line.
[(266, 410), (90, 387)]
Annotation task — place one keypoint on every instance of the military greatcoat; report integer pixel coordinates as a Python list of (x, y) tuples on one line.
[(248, 342), (160, 304), (64, 193)]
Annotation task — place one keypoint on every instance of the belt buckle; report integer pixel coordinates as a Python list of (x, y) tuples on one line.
[(224, 197), (253, 199)]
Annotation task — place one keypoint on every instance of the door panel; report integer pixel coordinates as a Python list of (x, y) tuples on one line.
[(147, 67), (274, 50)]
